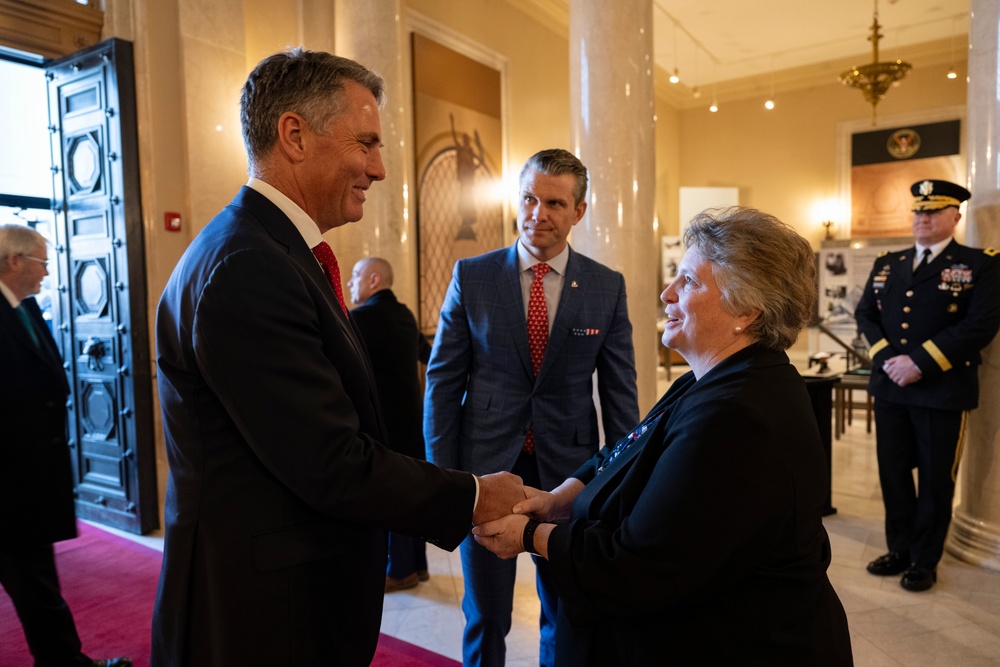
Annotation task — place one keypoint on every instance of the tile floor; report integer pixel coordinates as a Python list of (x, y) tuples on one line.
[(955, 623)]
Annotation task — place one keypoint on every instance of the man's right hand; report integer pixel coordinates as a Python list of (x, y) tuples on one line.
[(498, 493)]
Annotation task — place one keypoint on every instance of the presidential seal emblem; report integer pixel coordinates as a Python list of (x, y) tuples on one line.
[(903, 144)]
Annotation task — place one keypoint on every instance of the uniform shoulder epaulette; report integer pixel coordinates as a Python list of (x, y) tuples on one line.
[(883, 253), (991, 251)]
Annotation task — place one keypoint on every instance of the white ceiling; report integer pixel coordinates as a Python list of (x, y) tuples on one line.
[(736, 46)]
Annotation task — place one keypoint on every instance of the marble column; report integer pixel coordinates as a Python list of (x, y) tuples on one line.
[(372, 33), (612, 123), (975, 529)]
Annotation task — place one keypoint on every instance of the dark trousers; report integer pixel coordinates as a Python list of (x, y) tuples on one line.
[(489, 596), (928, 440), (28, 574), (407, 555)]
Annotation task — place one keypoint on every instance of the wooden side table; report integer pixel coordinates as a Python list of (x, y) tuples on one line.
[(844, 403)]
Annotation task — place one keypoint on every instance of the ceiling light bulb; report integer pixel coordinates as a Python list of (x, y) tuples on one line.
[(714, 107), (695, 92), (769, 105), (675, 77), (951, 73)]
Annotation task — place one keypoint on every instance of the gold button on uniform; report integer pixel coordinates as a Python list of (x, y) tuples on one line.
[(909, 292), (903, 341), (905, 325), (906, 309)]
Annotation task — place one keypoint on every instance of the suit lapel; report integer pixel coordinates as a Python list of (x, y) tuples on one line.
[(281, 229), (947, 257), (12, 323), (570, 300), (509, 291), (46, 348), (933, 270), (641, 456)]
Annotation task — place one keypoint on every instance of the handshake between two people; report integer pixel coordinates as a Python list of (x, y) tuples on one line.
[(505, 507)]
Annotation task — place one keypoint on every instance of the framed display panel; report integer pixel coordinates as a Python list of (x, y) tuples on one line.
[(877, 167)]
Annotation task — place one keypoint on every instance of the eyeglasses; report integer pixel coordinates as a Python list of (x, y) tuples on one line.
[(35, 259)]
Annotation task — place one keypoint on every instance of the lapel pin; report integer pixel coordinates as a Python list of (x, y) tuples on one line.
[(573, 284)]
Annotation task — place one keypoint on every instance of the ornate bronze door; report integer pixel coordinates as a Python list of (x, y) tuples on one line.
[(99, 313)]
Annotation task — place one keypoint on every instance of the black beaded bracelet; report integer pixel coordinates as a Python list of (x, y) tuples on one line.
[(528, 537)]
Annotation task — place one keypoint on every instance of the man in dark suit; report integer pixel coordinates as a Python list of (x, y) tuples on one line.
[(280, 489), (36, 477), (509, 383), (926, 311), (395, 347)]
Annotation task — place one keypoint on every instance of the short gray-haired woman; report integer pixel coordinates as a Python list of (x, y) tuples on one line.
[(698, 539)]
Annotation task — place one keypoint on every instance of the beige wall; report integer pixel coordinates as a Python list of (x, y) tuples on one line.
[(537, 69), (668, 166), (784, 160)]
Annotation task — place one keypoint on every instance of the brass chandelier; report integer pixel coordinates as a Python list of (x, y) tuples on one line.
[(875, 78)]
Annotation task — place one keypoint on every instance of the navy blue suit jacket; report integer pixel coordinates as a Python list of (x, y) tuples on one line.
[(279, 491), (941, 319), (481, 392)]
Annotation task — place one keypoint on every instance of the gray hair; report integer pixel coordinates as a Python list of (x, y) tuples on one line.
[(309, 83), (556, 162), (760, 264), (18, 240)]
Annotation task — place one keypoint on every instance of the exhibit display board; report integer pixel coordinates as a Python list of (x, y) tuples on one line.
[(844, 267)]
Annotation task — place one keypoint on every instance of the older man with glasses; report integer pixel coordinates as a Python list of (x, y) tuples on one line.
[(36, 463)]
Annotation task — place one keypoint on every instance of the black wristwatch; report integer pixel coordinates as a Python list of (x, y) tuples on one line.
[(528, 537)]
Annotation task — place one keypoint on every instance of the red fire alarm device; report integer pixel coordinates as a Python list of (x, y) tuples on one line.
[(172, 222)]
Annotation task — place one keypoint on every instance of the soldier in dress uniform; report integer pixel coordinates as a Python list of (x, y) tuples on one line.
[(927, 311)]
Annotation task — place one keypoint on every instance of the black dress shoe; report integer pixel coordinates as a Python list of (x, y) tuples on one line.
[(918, 578), (890, 564), (112, 662)]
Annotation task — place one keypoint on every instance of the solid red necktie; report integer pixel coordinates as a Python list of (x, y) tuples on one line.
[(324, 253), (538, 332)]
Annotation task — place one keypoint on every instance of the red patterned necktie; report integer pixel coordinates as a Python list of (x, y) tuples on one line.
[(538, 332), (324, 253)]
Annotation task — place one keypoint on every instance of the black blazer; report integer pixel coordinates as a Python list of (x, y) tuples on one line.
[(36, 478), (395, 346), (704, 543), (279, 492)]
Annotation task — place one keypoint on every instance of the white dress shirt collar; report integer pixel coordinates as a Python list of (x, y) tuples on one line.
[(935, 249), (526, 260), (307, 226)]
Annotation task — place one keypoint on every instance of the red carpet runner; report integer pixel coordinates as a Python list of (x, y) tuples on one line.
[(110, 584)]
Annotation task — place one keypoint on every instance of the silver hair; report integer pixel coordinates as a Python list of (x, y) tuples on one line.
[(760, 264), (309, 83), (18, 240)]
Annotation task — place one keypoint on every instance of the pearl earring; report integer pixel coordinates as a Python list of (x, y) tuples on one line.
[(737, 329)]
